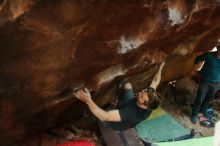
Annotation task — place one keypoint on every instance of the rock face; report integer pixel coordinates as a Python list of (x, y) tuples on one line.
[(50, 46)]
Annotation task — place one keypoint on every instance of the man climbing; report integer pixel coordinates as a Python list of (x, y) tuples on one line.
[(209, 84), (133, 109)]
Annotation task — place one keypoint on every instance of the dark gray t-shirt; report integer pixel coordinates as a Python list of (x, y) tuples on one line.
[(131, 114), (211, 68)]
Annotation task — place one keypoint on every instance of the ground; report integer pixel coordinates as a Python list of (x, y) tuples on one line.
[(182, 113)]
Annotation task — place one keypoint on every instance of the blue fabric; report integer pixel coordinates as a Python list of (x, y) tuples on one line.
[(211, 68)]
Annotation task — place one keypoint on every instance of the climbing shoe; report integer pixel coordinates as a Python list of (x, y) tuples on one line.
[(203, 121), (193, 119)]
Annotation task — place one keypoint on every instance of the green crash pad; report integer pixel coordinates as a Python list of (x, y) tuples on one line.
[(160, 127), (204, 141)]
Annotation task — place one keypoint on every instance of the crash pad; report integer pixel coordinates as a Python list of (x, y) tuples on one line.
[(204, 141), (159, 127), (76, 143)]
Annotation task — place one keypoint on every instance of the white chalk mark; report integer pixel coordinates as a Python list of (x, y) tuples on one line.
[(127, 45)]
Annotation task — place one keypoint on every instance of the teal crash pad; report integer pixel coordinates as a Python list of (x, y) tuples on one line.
[(204, 141), (161, 128)]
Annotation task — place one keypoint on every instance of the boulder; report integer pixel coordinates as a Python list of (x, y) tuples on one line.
[(48, 48)]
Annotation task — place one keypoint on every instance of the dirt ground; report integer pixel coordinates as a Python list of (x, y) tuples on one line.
[(181, 111)]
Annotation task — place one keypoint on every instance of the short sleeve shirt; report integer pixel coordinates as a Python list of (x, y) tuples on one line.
[(131, 114), (211, 68)]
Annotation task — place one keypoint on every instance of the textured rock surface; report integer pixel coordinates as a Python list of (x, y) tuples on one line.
[(49, 46)]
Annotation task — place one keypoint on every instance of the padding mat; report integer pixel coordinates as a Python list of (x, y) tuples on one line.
[(160, 127)]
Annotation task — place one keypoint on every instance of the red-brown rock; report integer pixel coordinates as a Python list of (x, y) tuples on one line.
[(50, 46)]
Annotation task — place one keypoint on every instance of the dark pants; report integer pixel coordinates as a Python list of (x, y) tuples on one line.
[(205, 94), (125, 95)]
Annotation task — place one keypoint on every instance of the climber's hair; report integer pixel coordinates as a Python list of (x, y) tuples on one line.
[(153, 98)]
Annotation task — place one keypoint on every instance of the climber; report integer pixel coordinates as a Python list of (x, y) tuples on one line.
[(132, 111), (209, 83)]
